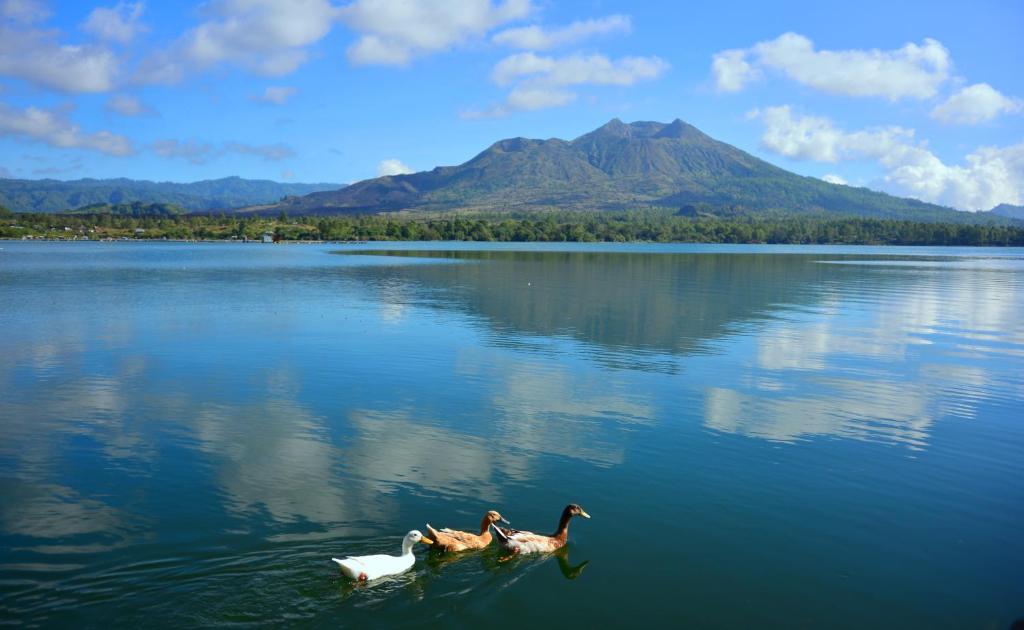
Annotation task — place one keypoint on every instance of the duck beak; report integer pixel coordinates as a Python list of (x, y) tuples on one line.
[(426, 541), (584, 514), (505, 521)]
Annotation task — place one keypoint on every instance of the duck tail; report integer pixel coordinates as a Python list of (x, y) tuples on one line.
[(500, 532), (433, 534), (350, 567)]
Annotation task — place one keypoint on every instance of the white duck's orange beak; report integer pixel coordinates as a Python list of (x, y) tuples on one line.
[(426, 541)]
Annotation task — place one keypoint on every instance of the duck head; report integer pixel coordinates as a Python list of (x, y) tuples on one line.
[(575, 510), (412, 538), (570, 511), (493, 517)]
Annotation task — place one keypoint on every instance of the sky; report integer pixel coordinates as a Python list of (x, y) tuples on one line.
[(921, 99)]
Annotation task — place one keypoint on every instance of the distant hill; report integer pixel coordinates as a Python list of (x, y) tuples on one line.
[(51, 195), (134, 209), (618, 166), (1009, 211)]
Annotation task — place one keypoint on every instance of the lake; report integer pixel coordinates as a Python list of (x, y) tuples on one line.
[(764, 436)]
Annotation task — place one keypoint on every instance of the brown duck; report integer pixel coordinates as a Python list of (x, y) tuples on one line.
[(528, 542), (454, 540)]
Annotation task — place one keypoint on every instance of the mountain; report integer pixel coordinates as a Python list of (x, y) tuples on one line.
[(1009, 211), (134, 209), (615, 167), (51, 195)]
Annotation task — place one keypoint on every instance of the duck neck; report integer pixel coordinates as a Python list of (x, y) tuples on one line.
[(485, 528), (563, 525), (407, 546)]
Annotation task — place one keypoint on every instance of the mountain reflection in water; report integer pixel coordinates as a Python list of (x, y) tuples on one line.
[(651, 312)]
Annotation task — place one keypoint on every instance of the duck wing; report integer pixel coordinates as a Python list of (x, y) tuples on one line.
[(451, 539), (463, 537), (525, 542), (373, 567), (528, 542)]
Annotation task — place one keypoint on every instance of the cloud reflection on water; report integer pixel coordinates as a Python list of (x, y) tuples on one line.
[(838, 350), (834, 352), (548, 409), (532, 410), (275, 455), (46, 510), (866, 372)]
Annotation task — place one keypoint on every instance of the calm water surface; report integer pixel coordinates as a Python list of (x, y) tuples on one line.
[(769, 437)]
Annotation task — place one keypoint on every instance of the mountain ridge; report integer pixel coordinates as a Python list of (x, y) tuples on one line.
[(226, 193), (1009, 211), (618, 166)]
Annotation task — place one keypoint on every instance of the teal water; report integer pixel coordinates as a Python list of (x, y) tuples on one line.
[(764, 436)]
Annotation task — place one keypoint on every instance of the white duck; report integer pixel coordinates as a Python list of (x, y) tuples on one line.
[(365, 568)]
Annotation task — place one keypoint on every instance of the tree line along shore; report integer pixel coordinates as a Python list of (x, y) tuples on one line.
[(651, 226)]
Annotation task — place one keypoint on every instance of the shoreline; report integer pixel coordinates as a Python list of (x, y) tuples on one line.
[(467, 242)]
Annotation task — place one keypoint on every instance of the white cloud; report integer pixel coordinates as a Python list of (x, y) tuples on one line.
[(129, 106), (975, 104), (539, 38), (54, 129), (25, 11), (990, 176), (530, 98), (120, 23), (37, 57), (913, 71), (194, 152), (540, 82), (395, 31), (275, 95), (732, 70), (268, 37), (835, 179), (578, 69), (269, 152), (392, 167), (816, 138), (515, 66), (202, 152)]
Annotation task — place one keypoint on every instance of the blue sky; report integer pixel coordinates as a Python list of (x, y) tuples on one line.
[(922, 99)]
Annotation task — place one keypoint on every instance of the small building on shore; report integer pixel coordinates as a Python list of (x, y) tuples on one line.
[(268, 237)]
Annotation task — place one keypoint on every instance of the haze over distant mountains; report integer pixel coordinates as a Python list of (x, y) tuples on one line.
[(618, 166), (51, 195)]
